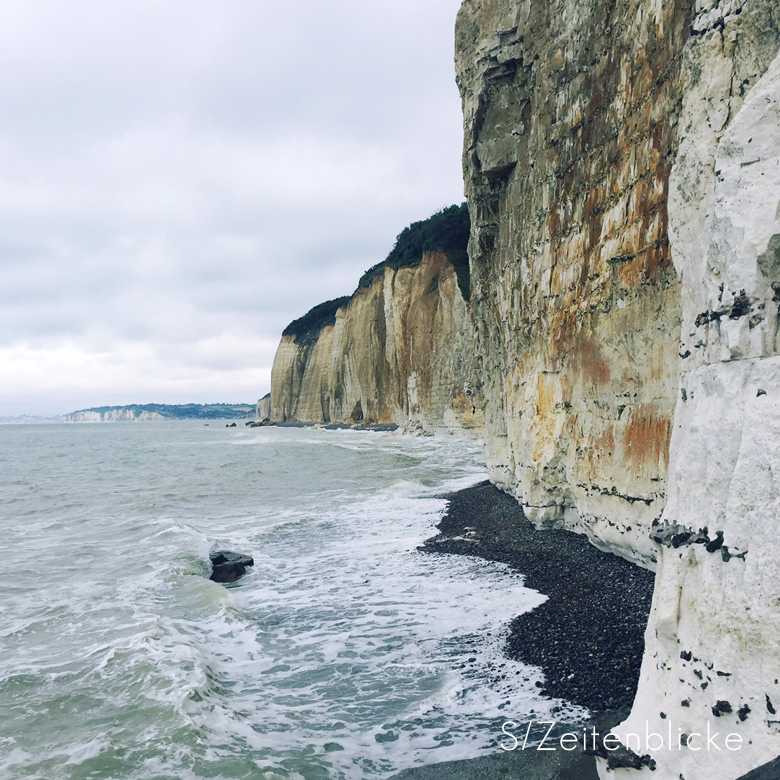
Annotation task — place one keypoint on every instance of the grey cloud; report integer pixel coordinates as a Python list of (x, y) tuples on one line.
[(179, 179)]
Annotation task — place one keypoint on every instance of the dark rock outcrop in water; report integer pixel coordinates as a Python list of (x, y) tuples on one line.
[(229, 566)]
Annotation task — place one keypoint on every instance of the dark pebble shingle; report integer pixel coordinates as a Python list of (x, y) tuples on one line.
[(588, 637)]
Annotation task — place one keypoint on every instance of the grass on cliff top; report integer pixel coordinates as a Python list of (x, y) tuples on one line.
[(446, 231), (306, 329)]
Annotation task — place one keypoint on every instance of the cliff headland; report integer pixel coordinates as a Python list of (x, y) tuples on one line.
[(398, 351)]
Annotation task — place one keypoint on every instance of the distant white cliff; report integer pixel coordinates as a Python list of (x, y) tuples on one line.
[(157, 412), (112, 415), (264, 408)]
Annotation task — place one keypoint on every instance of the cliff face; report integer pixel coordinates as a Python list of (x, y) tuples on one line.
[(714, 629), (113, 415), (263, 409), (622, 171), (570, 112), (398, 353)]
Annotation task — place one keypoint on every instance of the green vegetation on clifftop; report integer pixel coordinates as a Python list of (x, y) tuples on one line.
[(306, 329), (446, 231)]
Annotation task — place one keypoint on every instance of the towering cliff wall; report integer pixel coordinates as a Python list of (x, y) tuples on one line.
[(714, 634), (570, 114), (397, 352), (622, 171)]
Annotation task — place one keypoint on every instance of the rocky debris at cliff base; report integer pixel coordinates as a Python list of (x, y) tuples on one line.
[(228, 566), (588, 637)]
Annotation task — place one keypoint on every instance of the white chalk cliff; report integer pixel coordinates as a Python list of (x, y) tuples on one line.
[(622, 166), (263, 410), (112, 415), (713, 642), (398, 352)]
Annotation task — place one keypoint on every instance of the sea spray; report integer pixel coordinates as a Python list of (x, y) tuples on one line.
[(344, 653)]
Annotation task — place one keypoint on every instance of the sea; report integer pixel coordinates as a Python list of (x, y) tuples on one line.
[(345, 652)]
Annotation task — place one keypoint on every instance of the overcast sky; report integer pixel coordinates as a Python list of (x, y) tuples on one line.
[(179, 179)]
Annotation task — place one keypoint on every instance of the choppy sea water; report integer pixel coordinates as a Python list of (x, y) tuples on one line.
[(345, 653)]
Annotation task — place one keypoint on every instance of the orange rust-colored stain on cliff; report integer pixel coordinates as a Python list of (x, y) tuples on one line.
[(553, 220), (598, 450), (606, 442), (592, 364), (647, 438), (547, 415), (561, 329)]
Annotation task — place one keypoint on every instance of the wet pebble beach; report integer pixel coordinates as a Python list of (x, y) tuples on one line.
[(588, 637)]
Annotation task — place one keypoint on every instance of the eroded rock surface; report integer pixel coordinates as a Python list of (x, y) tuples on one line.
[(264, 408), (623, 175), (712, 643), (570, 114), (399, 352)]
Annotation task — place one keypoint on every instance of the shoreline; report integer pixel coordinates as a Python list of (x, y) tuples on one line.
[(325, 426), (588, 637)]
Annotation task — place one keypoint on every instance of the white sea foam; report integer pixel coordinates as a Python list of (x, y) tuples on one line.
[(344, 653)]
